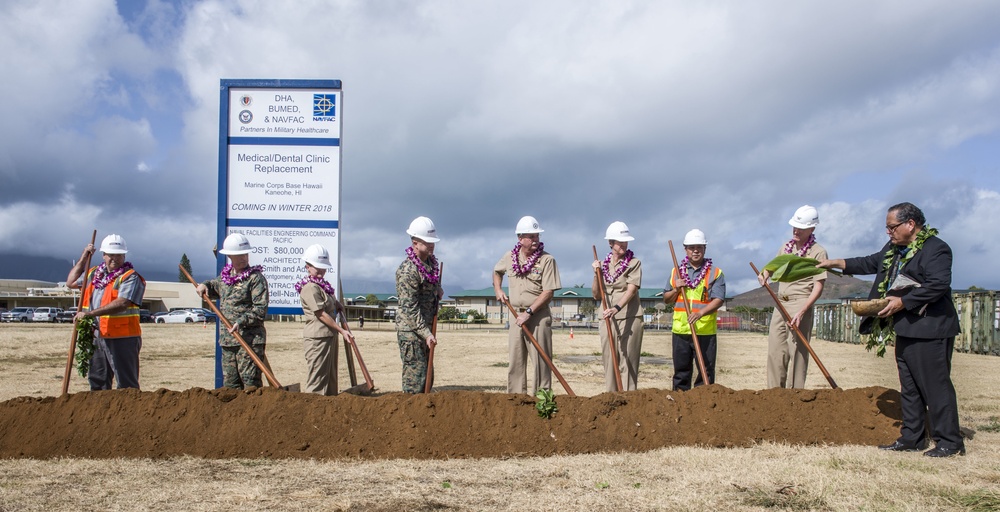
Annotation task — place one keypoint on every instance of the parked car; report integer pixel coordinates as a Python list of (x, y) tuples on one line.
[(66, 315), (145, 316), (180, 316), (18, 315), (45, 314), (208, 314)]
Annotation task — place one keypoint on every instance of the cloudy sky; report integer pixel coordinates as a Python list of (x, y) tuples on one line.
[(725, 116)]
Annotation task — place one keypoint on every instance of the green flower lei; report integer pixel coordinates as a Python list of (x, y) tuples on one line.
[(84, 344), (883, 332)]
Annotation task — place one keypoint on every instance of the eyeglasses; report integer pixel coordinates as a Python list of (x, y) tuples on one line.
[(893, 227)]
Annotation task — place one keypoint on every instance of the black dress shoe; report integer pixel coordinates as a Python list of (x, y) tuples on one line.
[(899, 446), (945, 452)]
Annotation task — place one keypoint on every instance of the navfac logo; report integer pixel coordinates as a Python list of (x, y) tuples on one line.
[(324, 107), (246, 116)]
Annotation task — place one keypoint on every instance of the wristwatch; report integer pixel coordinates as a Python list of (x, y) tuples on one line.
[(619, 308), (528, 311)]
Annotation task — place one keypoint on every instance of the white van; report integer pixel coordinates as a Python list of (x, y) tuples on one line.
[(45, 314)]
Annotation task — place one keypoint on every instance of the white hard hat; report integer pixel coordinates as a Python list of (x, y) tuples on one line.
[(317, 256), (423, 228), (618, 231), (528, 225), (695, 237), (113, 244), (235, 244), (805, 217)]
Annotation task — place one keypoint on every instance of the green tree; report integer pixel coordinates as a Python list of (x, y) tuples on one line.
[(447, 313), (475, 317), (587, 307), (372, 300), (186, 263)]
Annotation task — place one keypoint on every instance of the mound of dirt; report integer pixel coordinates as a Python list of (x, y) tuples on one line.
[(277, 424)]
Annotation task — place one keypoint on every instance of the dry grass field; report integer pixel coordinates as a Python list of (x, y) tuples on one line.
[(763, 477)]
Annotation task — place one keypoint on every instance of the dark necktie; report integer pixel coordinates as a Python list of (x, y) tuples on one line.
[(894, 269)]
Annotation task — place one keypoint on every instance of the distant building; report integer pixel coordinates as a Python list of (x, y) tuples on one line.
[(565, 306), (160, 295)]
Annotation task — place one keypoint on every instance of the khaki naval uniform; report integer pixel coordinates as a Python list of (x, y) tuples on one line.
[(523, 291), (628, 327), (783, 346), (319, 341)]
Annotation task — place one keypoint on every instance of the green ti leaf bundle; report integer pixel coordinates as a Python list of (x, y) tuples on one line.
[(84, 344), (787, 268)]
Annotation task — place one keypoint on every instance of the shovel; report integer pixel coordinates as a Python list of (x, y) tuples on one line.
[(541, 353), (348, 356), (368, 386), (434, 332), (264, 367), (72, 338), (613, 345), (687, 309), (802, 337)]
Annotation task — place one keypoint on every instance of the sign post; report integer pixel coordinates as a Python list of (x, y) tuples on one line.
[(280, 178)]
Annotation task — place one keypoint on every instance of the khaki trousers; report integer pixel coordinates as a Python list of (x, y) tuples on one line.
[(784, 347), (321, 364), (628, 338), (519, 346)]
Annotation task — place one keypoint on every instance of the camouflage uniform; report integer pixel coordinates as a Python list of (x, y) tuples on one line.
[(244, 303), (418, 301)]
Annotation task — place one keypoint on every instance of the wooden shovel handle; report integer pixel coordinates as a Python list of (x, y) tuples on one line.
[(69, 360), (72, 338), (430, 365), (361, 361), (541, 353), (351, 372), (795, 328), (246, 346), (430, 356), (687, 309), (612, 344)]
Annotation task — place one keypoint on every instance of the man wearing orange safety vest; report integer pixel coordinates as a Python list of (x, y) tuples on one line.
[(112, 294), (705, 288)]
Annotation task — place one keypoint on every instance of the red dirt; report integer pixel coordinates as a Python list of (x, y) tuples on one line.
[(272, 423)]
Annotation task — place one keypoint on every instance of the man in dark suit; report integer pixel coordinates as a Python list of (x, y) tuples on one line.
[(925, 324)]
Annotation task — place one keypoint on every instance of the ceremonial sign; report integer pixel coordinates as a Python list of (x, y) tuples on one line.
[(279, 176)]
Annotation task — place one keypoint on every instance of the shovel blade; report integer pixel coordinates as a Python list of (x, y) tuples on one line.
[(294, 388), (360, 390)]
